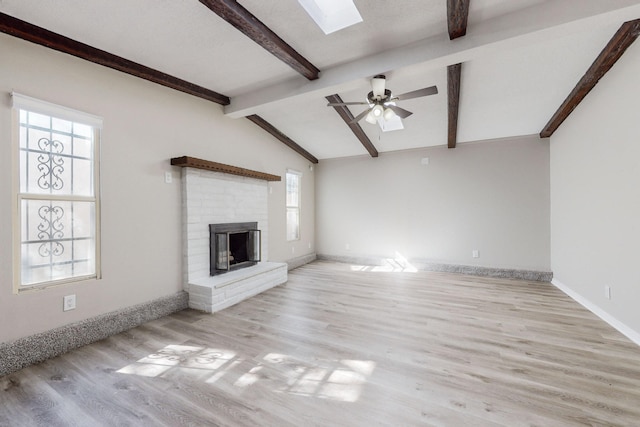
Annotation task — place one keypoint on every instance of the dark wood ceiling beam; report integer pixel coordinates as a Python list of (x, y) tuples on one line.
[(38, 35), (457, 13), (236, 15), (346, 115), (281, 137), (616, 47), (454, 73)]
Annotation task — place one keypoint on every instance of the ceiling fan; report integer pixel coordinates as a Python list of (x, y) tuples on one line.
[(382, 103)]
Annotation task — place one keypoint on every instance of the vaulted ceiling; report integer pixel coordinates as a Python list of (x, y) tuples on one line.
[(519, 61)]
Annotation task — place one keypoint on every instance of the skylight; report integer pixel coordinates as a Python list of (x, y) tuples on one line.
[(332, 15)]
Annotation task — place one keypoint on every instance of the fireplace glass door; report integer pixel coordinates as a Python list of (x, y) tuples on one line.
[(235, 249)]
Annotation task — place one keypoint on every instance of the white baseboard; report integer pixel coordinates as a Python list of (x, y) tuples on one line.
[(618, 325)]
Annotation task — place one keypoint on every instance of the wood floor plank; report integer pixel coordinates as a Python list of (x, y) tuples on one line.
[(344, 345)]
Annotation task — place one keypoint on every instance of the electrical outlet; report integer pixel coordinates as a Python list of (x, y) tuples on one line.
[(475, 253), (168, 178), (69, 303), (309, 245), (293, 249), (347, 246), (607, 291)]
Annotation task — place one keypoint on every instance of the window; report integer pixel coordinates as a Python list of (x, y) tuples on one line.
[(57, 194), (293, 205)]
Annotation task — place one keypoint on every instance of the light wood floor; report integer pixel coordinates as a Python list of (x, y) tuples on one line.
[(342, 347)]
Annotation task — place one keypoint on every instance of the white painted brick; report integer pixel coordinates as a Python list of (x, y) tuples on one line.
[(215, 197), (216, 293)]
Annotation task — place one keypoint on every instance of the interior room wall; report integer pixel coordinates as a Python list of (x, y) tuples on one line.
[(595, 197), (490, 196), (144, 126)]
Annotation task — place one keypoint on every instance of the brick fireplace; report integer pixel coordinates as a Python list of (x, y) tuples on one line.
[(212, 197)]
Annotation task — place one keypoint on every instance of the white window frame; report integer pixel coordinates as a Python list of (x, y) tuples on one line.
[(22, 102), (297, 208)]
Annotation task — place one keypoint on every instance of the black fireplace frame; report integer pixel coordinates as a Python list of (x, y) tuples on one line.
[(229, 229)]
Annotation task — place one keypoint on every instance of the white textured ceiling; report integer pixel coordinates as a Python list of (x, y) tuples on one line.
[(520, 60)]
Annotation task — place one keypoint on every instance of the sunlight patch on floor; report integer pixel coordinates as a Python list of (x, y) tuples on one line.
[(341, 380), (173, 356), (390, 265)]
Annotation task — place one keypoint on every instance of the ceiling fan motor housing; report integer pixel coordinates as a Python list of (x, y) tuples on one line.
[(378, 84), (379, 100)]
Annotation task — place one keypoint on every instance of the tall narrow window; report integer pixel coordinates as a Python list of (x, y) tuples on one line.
[(293, 205), (57, 197)]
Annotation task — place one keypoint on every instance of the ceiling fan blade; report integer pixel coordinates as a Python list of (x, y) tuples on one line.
[(432, 90), (337, 104), (360, 116), (400, 112)]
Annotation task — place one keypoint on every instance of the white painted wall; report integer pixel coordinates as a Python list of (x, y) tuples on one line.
[(595, 195), (491, 196), (144, 126)]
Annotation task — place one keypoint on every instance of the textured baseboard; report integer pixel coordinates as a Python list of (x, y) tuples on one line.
[(423, 265), (504, 273), (26, 351), (300, 261)]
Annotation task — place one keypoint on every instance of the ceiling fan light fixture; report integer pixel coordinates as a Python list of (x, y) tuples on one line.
[(394, 123), (377, 111), (389, 114), (371, 118)]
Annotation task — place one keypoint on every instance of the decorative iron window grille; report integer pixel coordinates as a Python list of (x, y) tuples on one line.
[(57, 195)]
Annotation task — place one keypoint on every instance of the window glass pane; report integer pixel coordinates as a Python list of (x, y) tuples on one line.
[(82, 130), (23, 171), (293, 189), (293, 223), (61, 125), (34, 136), (293, 205), (84, 258), (82, 177), (84, 268), (39, 120), (23, 137), (62, 143), (83, 147)]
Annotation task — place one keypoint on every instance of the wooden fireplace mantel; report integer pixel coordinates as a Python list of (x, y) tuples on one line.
[(192, 162)]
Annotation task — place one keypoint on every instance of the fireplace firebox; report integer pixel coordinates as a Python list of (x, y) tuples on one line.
[(233, 246)]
